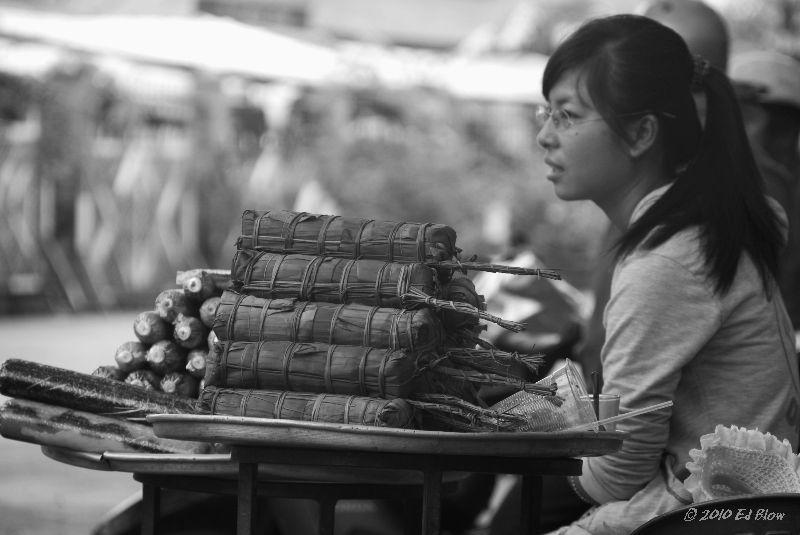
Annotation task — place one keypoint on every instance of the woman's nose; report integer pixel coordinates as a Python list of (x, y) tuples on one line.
[(546, 138)]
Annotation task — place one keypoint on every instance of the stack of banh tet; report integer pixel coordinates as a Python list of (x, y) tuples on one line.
[(348, 320), (320, 318)]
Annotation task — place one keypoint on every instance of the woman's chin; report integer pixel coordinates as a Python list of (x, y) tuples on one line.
[(563, 193)]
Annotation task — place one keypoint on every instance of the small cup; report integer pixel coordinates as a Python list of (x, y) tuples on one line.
[(609, 406)]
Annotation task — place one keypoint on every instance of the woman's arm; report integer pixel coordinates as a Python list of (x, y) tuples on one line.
[(660, 314)]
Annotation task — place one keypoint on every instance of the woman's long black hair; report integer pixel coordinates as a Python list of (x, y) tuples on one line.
[(635, 65)]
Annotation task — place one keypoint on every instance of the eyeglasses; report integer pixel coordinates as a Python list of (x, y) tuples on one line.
[(563, 120)]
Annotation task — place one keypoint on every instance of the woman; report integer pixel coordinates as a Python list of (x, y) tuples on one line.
[(694, 316)]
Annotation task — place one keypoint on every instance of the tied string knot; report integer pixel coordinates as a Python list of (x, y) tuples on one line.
[(701, 67)]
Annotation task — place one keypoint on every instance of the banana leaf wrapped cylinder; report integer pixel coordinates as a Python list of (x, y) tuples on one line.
[(463, 328), (329, 279), (247, 318), (80, 391), (284, 231), (461, 289), (314, 367), (303, 406)]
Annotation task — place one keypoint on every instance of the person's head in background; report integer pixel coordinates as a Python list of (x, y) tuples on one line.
[(704, 30), (770, 83), (623, 122)]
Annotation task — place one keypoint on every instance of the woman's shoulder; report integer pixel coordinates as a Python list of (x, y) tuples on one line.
[(682, 250), (671, 276)]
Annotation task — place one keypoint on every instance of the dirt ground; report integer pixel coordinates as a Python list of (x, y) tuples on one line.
[(40, 496)]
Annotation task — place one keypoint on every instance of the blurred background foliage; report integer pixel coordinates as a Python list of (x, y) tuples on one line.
[(118, 171)]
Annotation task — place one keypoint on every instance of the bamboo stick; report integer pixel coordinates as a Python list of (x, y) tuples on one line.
[(553, 274)]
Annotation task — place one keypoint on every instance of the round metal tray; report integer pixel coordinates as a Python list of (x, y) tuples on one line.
[(220, 465), (291, 433)]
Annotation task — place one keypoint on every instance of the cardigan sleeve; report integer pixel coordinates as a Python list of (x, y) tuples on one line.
[(659, 315)]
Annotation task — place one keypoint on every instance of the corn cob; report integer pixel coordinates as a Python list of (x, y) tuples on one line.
[(190, 332), (110, 372), (166, 356), (196, 362), (145, 379), (174, 301), (208, 310), (131, 356), (180, 384), (201, 284), (149, 327)]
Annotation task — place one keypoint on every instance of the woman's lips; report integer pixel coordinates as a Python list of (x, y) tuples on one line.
[(555, 169)]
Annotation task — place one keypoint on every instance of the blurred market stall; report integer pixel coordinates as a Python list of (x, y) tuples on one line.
[(139, 133)]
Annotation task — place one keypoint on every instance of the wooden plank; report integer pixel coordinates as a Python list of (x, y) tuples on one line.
[(247, 509), (431, 502)]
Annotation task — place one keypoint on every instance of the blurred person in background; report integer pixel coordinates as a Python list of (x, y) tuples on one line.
[(693, 295), (769, 84)]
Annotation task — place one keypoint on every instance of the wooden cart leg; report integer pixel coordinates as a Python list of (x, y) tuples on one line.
[(327, 515), (151, 508), (247, 508), (412, 509), (531, 504), (431, 502)]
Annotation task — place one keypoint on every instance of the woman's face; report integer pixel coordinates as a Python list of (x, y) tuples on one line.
[(587, 160)]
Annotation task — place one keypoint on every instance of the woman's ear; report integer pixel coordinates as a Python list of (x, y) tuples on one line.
[(642, 135)]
